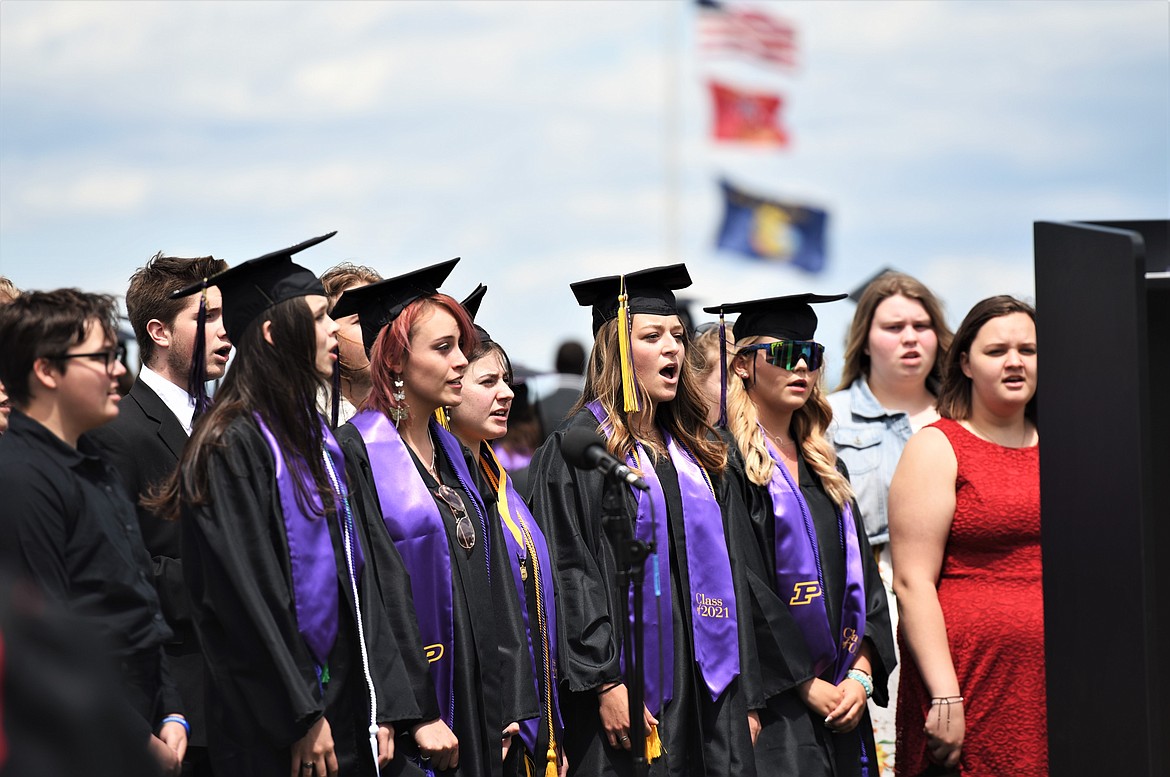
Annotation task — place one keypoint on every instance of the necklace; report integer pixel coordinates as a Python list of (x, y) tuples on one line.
[(992, 440), (433, 469), (779, 440)]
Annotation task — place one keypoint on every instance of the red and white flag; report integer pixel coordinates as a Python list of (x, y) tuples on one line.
[(747, 117), (748, 33)]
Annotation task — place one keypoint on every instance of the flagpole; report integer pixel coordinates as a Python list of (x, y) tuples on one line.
[(672, 132)]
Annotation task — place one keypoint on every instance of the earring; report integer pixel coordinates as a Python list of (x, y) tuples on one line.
[(400, 409)]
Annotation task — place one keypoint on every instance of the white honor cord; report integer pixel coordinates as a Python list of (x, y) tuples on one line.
[(347, 536)]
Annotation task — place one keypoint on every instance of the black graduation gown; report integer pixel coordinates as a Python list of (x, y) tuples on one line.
[(699, 736), (263, 692), (515, 763), (793, 739), (493, 688)]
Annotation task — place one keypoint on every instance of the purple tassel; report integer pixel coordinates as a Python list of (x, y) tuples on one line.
[(722, 423)]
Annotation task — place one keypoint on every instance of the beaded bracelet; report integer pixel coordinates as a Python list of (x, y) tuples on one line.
[(863, 678), (176, 719)]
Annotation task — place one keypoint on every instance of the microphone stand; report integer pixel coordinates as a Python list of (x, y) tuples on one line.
[(630, 554)]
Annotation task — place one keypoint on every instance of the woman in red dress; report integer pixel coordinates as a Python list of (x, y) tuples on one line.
[(965, 537)]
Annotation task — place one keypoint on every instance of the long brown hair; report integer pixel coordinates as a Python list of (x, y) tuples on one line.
[(287, 405), (809, 423), (684, 417), (954, 398), (883, 287)]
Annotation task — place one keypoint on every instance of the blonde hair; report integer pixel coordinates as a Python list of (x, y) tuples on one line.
[(809, 423), (684, 417), (8, 291)]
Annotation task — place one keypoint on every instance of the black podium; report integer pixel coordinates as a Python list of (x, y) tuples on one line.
[(1103, 302)]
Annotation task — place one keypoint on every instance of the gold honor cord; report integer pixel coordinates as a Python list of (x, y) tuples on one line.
[(523, 537)]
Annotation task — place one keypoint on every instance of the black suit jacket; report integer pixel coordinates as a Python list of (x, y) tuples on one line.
[(144, 444)]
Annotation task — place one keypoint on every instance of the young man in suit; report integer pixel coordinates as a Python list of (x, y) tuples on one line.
[(145, 441)]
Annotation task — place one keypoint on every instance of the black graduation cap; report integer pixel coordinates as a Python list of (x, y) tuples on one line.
[(786, 318), (648, 291), (471, 304), (248, 289), (256, 285), (378, 304), (855, 295)]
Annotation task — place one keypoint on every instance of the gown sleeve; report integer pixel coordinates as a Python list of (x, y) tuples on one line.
[(235, 562), (878, 629), (567, 505)]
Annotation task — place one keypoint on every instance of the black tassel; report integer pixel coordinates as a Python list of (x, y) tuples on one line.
[(335, 409), (197, 378), (722, 372)]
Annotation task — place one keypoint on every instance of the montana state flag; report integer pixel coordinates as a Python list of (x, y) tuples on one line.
[(747, 117), (771, 230)]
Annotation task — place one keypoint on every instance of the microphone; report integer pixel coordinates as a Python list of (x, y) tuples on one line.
[(585, 449)]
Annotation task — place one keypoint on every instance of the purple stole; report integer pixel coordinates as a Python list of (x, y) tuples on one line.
[(413, 521), (310, 550), (522, 531), (712, 594), (799, 579)]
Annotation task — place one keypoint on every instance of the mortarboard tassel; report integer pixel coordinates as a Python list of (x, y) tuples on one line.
[(629, 381), (653, 745), (722, 423), (335, 403), (197, 377), (442, 417)]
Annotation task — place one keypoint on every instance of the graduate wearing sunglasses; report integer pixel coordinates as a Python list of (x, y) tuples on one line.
[(412, 473), (825, 644)]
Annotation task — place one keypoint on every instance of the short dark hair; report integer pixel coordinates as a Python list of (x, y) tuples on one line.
[(149, 295), (45, 324), (570, 358), (954, 397)]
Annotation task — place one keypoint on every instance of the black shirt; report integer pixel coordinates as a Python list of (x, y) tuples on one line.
[(67, 525)]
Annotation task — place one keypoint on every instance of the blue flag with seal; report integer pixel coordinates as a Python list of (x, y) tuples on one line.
[(771, 230)]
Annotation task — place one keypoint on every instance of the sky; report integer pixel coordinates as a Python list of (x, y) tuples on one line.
[(546, 142)]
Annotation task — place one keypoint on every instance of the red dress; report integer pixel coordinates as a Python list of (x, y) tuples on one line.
[(992, 602)]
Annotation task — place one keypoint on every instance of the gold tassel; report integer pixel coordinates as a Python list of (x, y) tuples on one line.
[(653, 745), (629, 381), (550, 769), (443, 419)]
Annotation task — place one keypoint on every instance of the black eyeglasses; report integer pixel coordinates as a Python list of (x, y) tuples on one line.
[(787, 353), (110, 357), (464, 528)]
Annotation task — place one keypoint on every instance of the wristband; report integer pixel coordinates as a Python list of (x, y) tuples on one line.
[(604, 691), (863, 678), (176, 719)]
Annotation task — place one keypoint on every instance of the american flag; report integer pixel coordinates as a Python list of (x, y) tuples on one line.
[(746, 32)]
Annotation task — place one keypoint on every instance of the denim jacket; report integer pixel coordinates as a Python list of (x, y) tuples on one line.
[(869, 439)]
